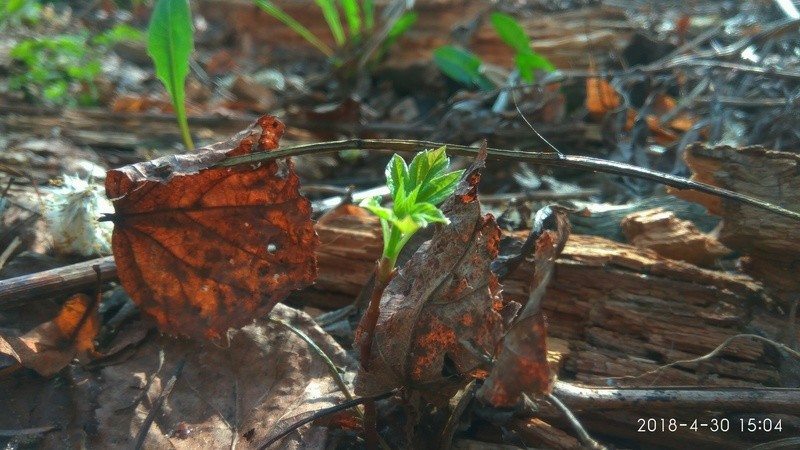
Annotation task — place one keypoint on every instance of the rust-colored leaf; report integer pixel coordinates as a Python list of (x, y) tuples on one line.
[(442, 311), (205, 249), (49, 347), (522, 365)]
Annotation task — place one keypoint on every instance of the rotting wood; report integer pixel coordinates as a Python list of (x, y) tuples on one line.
[(662, 232), (772, 244), (603, 219), (624, 311)]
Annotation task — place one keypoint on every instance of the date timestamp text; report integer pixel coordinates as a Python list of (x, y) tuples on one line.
[(715, 425)]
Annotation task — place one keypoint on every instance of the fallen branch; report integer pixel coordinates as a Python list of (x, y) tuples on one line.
[(543, 158)]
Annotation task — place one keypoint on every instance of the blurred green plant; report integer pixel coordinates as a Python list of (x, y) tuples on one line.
[(359, 17), (62, 70), (515, 37), (19, 12), (467, 68), (169, 44)]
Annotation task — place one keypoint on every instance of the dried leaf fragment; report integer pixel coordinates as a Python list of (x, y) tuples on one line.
[(204, 249), (522, 365), (49, 347)]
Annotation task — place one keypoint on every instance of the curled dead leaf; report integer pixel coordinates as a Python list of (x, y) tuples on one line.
[(522, 365), (204, 249)]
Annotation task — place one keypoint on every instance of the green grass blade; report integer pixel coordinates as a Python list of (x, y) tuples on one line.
[(331, 15), (169, 44), (399, 28), (352, 12), (294, 25), (369, 14)]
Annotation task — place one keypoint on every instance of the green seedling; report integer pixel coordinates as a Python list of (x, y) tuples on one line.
[(514, 36), (61, 70), (467, 68), (359, 17), (463, 66), (416, 190), (169, 44)]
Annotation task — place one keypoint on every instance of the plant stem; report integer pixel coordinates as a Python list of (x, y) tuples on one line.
[(183, 123), (384, 272)]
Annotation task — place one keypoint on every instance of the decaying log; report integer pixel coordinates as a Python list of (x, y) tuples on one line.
[(662, 232), (624, 311), (604, 219), (617, 315), (771, 243)]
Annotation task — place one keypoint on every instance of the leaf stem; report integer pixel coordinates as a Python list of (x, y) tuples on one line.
[(384, 271), (183, 123)]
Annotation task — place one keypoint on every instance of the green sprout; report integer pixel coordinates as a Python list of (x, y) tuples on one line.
[(416, 191), (467, 68), (360, 20), (169, 44)]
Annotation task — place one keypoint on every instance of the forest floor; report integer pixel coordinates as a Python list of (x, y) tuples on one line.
[(669, 321)]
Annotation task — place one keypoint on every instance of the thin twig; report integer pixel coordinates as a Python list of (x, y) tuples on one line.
[(156, 408), (686, 398), (543, 158), (322, 413), (583, 435), (711, 354), (332, 369)]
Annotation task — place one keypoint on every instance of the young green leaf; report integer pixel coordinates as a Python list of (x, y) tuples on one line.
[(529, 61), (461, 66), (425, 213), (373, 204), (511, 32), (369, 14), (396, 174), (426, 165), (169, 44), (352, 13), (331, 15), (439, 188)]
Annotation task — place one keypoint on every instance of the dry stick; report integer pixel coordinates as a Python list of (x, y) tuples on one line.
[(366, 329), (332, 369), (156, 408), (42, 285), (583, 435), (322, 413), (543, 158), (768, 400)]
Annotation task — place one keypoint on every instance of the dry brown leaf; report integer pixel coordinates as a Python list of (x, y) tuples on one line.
[(233, 396), (205, 249), (522, 365), (49, 347), (442, 311)]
